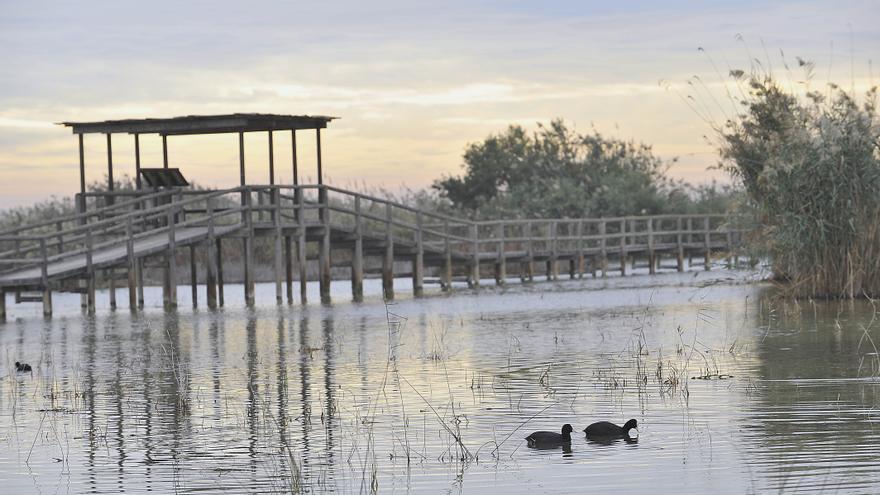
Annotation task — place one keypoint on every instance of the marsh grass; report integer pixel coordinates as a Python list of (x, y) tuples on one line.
[(809, 160)]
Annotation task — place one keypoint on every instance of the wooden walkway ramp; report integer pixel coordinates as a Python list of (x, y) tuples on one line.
[(118, 231)]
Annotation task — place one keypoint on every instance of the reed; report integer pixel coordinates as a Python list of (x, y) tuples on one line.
[(810, 164)]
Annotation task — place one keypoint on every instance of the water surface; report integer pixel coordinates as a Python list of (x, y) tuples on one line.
[(734, 392)]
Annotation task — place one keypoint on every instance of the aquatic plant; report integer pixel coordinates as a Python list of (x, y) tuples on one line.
[(810, 164)]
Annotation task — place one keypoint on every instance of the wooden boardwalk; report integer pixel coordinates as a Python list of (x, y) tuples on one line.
[(119, 230)]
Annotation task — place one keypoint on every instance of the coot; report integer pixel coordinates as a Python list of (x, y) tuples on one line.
[(545, 438), (23, 367), (604, 429)]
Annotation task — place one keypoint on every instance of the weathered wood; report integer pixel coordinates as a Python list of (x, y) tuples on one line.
[(475, 258), (357, 255), (44, 276), (446, 273), (679, 248), (170, 293), (220, 298), (652, 261), (530, 256), (500, 258), (552, 264), (279, 253), (580, 250), (193, 276), (301, 246), (211, 259), (132, 265), (622, 239), (388, 259), (419, 260), (603, 249), (2, 305), (324, 253), (112, 287), (90, 274), (288, 268), (706, 245)]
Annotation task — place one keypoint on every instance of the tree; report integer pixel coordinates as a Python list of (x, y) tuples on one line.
[(556, 172)]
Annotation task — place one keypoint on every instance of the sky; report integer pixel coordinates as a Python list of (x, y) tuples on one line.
[(412, 82)]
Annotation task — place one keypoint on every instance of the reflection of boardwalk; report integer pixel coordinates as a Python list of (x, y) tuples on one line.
[(66, 253)]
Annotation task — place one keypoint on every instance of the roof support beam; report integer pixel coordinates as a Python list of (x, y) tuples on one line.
[(109, 168), (318, 143), (293, 149), (137, 161), (271, 161), (165, 150)]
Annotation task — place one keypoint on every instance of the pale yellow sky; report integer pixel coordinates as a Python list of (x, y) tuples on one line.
[(412, 83)]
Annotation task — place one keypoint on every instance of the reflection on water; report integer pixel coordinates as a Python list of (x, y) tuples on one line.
[(435, 395)]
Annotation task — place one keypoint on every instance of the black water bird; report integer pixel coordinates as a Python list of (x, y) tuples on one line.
[(23, 367), (604, 429), (550, 438)]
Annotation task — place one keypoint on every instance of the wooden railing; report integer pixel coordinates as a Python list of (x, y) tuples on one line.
[(118, 220)]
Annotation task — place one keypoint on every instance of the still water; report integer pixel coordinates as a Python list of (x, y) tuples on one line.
[(734, 392)]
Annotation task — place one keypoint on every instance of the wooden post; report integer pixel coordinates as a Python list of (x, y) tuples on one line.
[(170, 295), (44, 279), (475, 259), (707, 246), (729, 250), (603, 251), (318, 150), (2, 305), (357, 255), (302, 261), (211, 259), (293, 155), (324, 253), (530, 256), (500, 258), (279, 254), (446, 273), (132, 265), (111, 201), (580, 250), (419, 260), (552, 267), (622, 239), (652, 261), (249, 251), (220, 298), (288, 267), (679, 259), (193, 276), (388, 259), (90, 274), (165, 150), (690, 239)]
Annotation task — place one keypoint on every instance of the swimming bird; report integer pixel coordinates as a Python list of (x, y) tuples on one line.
[(550, 438), (604, 429), (23, 367)]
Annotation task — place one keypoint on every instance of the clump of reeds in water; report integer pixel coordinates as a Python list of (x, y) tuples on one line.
[(810, 163)]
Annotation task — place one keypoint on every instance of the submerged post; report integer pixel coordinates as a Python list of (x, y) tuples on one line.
[(301, 245), (357, 256), (706, 243), (652, 261), (446, 271), (679, 258), (500, 258), (132, 265), (388, 259), (475, 257), (44, 279), (279, 259), (324, 253), (622, 247), (419, 260), (220, 298), (210, 258)]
